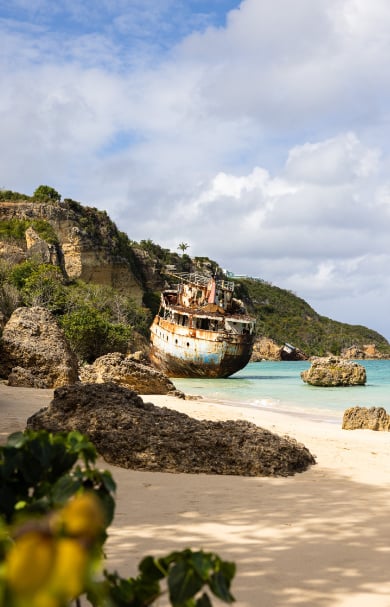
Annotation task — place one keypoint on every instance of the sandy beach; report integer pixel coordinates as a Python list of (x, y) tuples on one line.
[(316, 539)]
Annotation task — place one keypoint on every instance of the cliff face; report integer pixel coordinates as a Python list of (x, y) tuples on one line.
[(88, 247)]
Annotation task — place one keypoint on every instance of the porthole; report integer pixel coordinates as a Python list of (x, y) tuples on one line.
[(188, 344)]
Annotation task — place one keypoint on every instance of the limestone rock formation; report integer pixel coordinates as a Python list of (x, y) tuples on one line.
[(88, 243), (334, 371), (368, 351), (38, 248), (360, 418), (11, 252), (132, 434), (265, 348), (127, 371), (34, 351)]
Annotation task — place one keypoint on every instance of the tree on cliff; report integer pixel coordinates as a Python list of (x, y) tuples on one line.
[(47, 194), (183, 246)]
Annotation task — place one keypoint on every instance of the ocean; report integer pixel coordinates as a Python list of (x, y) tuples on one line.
[(278, 386)]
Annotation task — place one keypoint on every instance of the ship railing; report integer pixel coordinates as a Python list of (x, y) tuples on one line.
[(200, 280)]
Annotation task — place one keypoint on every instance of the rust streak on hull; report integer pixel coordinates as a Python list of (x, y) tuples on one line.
[(201, 338)]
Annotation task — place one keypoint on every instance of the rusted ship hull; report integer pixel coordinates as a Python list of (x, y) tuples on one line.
[(181, 352), (201, 330)]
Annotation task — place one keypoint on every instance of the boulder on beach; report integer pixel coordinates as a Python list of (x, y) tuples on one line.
[(334, 371), (34, 351), (128, 372), (364, 418), (130, 433)]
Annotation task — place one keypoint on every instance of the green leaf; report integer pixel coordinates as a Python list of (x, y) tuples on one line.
[(228, 569), (151, 569), (203, 601), (108, 481), (64, 488), (183, 583), (16, 439), (80, 444), (220, 587), (202, 563)]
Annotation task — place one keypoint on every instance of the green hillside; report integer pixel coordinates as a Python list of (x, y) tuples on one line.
[(284, 317), (97, 317)]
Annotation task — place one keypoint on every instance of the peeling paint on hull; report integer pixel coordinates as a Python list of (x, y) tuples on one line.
[(182, 352), (200, 329)]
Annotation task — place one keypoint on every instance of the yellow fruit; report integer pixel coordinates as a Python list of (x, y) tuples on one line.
[(43, 599), (70, 568), (83, 516), (29, 562)]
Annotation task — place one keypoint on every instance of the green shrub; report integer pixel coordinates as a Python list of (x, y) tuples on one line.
[(44, 287), (39, 285), (21, 272), (91, 334), (45, 193), (45, 230), (15, 229), (9, 195), (55, 508)]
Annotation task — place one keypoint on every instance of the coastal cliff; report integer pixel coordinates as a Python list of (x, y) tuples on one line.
[(120, 281), (85, 243)]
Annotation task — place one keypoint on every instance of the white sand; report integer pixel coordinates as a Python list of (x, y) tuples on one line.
[(317, 539)]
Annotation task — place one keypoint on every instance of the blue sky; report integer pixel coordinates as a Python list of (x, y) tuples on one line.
[(257, 132)]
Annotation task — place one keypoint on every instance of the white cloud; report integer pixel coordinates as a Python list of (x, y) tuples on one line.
[(263, 143), (334, 161)]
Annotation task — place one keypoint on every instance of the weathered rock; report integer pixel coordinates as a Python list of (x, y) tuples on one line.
[(334, 371), (362, 418), (132, 434), (38, 248), (361, 352), (128, 372), (11, 252), (34, 351), (87, 245), (265, 348)]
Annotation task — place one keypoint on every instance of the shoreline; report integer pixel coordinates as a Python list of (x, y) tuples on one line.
[(283, 408), (316, 539)]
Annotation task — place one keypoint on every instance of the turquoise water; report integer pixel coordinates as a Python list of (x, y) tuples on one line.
[(278, 386)]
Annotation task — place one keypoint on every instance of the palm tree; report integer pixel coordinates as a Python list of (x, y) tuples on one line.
[(183, 246)]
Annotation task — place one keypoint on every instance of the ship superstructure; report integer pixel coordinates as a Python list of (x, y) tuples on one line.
[(201, 330)]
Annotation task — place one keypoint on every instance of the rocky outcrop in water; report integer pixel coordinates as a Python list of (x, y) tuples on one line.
[(129, 373), (34, 351), (334, 371), (130, 433), (363, 418)]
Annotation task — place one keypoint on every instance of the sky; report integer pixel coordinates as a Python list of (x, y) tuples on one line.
[(256, 132)]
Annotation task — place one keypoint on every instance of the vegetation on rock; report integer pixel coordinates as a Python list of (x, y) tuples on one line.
[(55, 508), (281, 315), (46, 193), (285, 317), (96, 319), (10, 196), (15, 229)]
